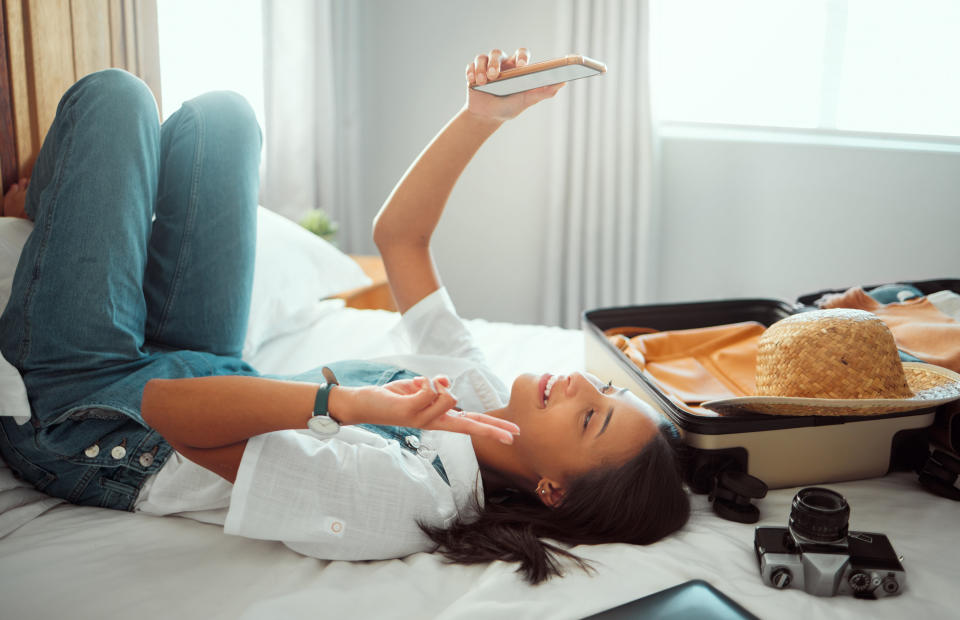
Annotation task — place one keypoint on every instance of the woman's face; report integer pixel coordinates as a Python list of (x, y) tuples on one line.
[(571, 424)]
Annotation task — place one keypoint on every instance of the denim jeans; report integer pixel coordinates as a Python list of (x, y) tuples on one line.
[(140, 266)]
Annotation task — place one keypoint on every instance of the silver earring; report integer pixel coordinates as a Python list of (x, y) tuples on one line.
[(543, 491)]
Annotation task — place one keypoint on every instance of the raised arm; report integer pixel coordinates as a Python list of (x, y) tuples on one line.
[(405, 224)]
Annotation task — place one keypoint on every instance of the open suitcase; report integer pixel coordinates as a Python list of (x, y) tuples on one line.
[(782, 451)]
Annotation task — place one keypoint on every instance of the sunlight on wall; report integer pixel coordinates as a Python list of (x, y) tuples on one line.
[(210, 45), (864, 65)]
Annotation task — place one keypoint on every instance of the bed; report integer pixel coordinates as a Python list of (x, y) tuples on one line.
[(59, 560)]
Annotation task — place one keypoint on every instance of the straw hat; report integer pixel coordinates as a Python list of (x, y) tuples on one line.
[(838, 362)]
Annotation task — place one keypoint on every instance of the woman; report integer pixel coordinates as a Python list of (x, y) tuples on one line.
[(128, 329)]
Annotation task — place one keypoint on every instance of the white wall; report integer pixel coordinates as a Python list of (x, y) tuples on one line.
[(775, 219)]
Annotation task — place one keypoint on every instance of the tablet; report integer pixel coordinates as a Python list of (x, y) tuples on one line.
[(693, 599)]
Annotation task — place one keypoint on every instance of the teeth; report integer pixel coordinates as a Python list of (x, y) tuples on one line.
[(549, 386)]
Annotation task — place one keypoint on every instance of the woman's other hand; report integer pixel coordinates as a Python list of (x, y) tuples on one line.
[(486, 68), (417, 403), (14, 200)]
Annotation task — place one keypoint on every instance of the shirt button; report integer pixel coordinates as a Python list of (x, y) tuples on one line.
[(118, 452), (413, 441), (146, 459), (92, 451), (336, 527)]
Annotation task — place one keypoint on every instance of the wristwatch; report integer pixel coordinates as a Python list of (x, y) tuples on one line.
[(322, 423)]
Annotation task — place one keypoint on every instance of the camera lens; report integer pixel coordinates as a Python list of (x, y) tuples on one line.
[(819, 514)]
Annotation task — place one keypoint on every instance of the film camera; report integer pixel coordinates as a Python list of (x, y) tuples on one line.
[(817, 554)]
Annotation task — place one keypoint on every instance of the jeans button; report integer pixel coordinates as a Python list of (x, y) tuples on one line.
[(413, 441), (92, 451), (146, 459), (118, 452)]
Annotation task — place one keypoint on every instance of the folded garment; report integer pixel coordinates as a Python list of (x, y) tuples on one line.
[(918, 326), (890, 293), (696, 365), (946, 302)]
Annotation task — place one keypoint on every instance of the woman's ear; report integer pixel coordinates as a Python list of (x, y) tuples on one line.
[(549, 492)]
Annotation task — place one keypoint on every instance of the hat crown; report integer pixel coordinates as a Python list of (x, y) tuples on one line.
[(838, 354)]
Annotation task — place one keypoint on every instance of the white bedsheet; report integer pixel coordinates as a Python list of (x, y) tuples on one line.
[(81, 562)]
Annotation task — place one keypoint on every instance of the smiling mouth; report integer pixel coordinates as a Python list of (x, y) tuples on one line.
[(547, 382)]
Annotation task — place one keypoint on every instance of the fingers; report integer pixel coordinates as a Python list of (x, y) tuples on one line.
[(487, 67), (444, 401), (490, 420), (407, 386), (439, 416), (480, 68), (493, 64), (521, 56), (430, 406), (470, 424), (412, 386)]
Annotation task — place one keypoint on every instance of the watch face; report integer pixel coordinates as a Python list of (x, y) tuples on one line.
[(323, 425)]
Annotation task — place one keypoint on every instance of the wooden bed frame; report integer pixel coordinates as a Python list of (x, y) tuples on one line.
[(8, 151), (47, 45)]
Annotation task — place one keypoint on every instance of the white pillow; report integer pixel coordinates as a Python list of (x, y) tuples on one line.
[(13, 395), (293, 271)]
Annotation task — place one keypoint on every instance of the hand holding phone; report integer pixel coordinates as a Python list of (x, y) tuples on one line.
[(517, 84), (546, 73)]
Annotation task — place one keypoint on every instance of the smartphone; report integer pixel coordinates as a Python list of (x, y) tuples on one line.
[(528, 77)]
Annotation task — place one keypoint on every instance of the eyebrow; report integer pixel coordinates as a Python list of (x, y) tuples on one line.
[(606, 422), (610, 414)]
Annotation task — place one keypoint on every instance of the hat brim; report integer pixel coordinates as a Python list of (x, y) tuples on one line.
[(931, 386)]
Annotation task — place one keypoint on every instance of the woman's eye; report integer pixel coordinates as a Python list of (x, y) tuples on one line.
[(586, 419)]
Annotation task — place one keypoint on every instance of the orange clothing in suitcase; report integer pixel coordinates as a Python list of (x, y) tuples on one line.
[(696, 365), (918, 327)]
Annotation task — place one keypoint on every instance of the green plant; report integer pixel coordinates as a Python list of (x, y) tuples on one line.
[(319, 223)]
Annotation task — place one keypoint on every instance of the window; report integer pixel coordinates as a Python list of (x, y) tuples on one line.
[(858, 65), (210, 45)]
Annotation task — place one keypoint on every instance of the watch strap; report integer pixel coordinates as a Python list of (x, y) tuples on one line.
[(321, 404), (322, 401)]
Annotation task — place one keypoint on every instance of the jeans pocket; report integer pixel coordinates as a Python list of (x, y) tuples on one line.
[(117, 495)]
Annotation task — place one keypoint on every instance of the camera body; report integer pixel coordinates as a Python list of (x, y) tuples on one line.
[(817, 553)]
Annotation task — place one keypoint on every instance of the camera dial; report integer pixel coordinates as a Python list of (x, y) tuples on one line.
[(780, 578), (859, 581), (819, 515)]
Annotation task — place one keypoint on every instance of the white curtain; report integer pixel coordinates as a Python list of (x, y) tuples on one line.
[(311, 135), (601, 247)]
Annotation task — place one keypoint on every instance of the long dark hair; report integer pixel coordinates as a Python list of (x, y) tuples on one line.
[(639, 502)]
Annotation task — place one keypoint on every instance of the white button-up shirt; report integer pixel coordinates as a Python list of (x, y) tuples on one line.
[(356, 495)]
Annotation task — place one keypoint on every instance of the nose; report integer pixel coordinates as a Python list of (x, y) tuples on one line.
[(576, 382)]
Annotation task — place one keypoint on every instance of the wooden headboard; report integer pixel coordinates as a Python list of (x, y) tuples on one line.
[(47, 45)]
